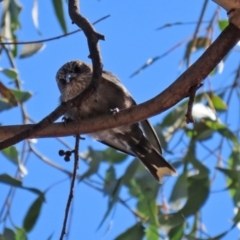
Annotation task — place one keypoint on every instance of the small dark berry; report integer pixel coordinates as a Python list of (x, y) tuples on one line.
[(68, 153), (61, 153), (67, 158)]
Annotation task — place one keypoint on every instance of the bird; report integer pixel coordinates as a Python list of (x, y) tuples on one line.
[(137, 139)]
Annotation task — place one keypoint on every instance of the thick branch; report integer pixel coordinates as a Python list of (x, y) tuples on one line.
[(169, 97)]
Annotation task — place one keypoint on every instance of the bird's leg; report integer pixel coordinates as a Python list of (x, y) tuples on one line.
[(114, 111)]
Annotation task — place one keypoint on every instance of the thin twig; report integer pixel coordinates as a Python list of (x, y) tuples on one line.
[(70, 197), (52, 38), (194, 41)]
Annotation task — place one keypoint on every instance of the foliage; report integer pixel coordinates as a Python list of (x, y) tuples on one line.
[(178, 216)]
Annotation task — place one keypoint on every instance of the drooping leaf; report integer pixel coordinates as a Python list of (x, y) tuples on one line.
[(8, 234), (234, 159), (7, 179), (218, 103), (30, 49), (200, 43), (21, 96), (58, 8), (113, 156), (223, 24), (4, 104), (135, 232), (113, 198), (110, 180), (95, 158), (223, 130), (179, 192), (10, 72), (7, 94), (177, 232), (11, 153), (20, 234), (33, 213), (152, 232), (198, 192)]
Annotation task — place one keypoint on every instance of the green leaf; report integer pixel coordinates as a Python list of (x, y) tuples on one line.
[(30, 49), (58, 8), (152, 232), (7, 179), (135, 232), (110, 180), (11, 153), (95, 158), (200, 132), (33, 213), (4, 104), (198, 192), (177, 232), (179, 192), (21, 96), (10, 72), (20, 234), (112, 199), (223, 130), (218, 103), (7, 94), (169, 221), (200, 43), (113, 156), (223, 24), (234, 159), (8, 234)]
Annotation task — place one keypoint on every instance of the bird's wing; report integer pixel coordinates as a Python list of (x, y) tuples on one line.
[(151, 135), (148, 131), (118, 147)]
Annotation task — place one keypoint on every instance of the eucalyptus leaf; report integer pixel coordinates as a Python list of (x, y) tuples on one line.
[(30, 49), (135, 232), (58, 8), (33, 213)]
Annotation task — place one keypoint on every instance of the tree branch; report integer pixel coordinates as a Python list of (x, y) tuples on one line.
[(177, 91), (92, 37)]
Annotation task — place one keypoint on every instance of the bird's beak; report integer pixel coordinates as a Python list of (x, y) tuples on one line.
[(70, 76)]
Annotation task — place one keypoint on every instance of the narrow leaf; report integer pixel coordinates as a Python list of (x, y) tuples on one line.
[(7, 94), (11, 153), (10, 72), (21, 96), (223, 24), (218, 103), (58, 8), (8, 234), (20, 234), (30, 49), (135, 232), (33, 213)]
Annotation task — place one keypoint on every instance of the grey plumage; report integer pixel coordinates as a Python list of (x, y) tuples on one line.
[(73, 77)]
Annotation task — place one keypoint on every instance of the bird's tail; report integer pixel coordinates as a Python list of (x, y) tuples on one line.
[(153, 160)]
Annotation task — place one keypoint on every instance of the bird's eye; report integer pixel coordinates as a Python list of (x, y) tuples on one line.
[(77, 69), (62, 80)]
